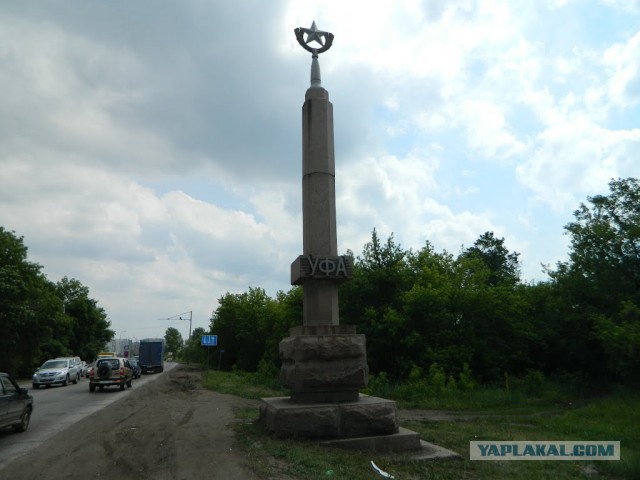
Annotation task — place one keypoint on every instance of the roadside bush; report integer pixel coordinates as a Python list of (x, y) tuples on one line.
[(267, 374)]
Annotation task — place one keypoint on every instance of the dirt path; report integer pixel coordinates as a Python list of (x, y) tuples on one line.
[(167, 429)]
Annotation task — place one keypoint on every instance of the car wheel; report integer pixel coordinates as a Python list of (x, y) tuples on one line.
[(75, 380), (101, 388), (129, 384), (92, 387), (122, 386), (24, 421), (66, 381), (36, 386)]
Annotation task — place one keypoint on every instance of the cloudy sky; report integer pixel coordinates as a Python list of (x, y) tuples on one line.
[(152, 149)]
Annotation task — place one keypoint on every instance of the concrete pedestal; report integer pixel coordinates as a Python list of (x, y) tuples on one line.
[(324, 364), (365, 417)]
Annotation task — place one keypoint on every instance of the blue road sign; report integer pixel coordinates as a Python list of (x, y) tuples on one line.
[(209, 340)]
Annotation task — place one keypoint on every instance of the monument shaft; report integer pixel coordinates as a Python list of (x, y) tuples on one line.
[(319, 205), (324, 364)]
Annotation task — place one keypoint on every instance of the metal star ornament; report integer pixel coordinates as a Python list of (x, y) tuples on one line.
[(324, 39), (314, 35)]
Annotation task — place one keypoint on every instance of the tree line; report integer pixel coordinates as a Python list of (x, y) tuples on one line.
[(472, 311), (420, 310), (40, 319)]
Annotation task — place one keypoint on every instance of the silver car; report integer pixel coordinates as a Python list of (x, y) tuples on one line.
[(75, 366), (57, 371)]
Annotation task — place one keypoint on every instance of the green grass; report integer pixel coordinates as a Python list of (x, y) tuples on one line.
[(480, 414), (242, 384)]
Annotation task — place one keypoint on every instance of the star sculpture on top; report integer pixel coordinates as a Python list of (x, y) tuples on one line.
[(323, 39)]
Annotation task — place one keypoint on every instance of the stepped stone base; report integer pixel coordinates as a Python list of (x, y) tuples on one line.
[(367, 416), (401, 441), (368, 425), (405, 441)]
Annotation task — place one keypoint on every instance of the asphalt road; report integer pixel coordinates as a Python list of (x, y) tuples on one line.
[(56, 408)]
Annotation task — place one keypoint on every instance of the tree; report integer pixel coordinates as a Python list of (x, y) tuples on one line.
[(31, 316), (372, 300), (600, 284), (244, 323), (40, 319), (503, 266), (173, 341), (88, 323), (193, 350)]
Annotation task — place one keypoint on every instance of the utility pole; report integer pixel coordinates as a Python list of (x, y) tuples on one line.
[(179, 317)]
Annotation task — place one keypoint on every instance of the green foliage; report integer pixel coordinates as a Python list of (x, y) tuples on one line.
[(88, 323), (173, 341), (267, 374), (424, 310), (483, 414), (465, 379), (40, 319), (598, 289), (620, 338), (193, 351), (242, 384), (250, 326)]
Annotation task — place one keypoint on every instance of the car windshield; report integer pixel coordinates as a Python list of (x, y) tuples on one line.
[(55, 364), (112, 363)]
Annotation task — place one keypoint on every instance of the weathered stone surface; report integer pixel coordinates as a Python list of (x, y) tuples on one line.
[(324, 368), (358, 418), (366, 416), (322, 330), (402, 441), (320, 302), (320, 348), (284, 421)]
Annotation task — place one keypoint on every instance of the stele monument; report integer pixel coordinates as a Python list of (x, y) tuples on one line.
[(324, 364)]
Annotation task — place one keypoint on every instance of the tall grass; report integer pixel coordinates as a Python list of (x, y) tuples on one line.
[(534, 408)]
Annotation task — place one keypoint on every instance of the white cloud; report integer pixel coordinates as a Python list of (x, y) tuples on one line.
[(154, 154), (624, 62)]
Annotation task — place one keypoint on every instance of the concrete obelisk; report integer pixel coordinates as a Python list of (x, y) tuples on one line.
[(324, 364)]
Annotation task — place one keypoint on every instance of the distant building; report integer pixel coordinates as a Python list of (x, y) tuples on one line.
[(124, 347)]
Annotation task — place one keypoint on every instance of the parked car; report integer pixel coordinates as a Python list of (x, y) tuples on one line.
[(111, 371), (135, 367), (16, 405), (58, 370)]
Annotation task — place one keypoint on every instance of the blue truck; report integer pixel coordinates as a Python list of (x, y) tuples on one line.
[(151, 355)]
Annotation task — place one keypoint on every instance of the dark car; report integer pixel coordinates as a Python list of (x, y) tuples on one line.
[(135, 368), (110, 371), (16, 404)]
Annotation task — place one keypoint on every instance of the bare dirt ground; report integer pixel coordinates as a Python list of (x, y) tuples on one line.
[(170, 428)]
